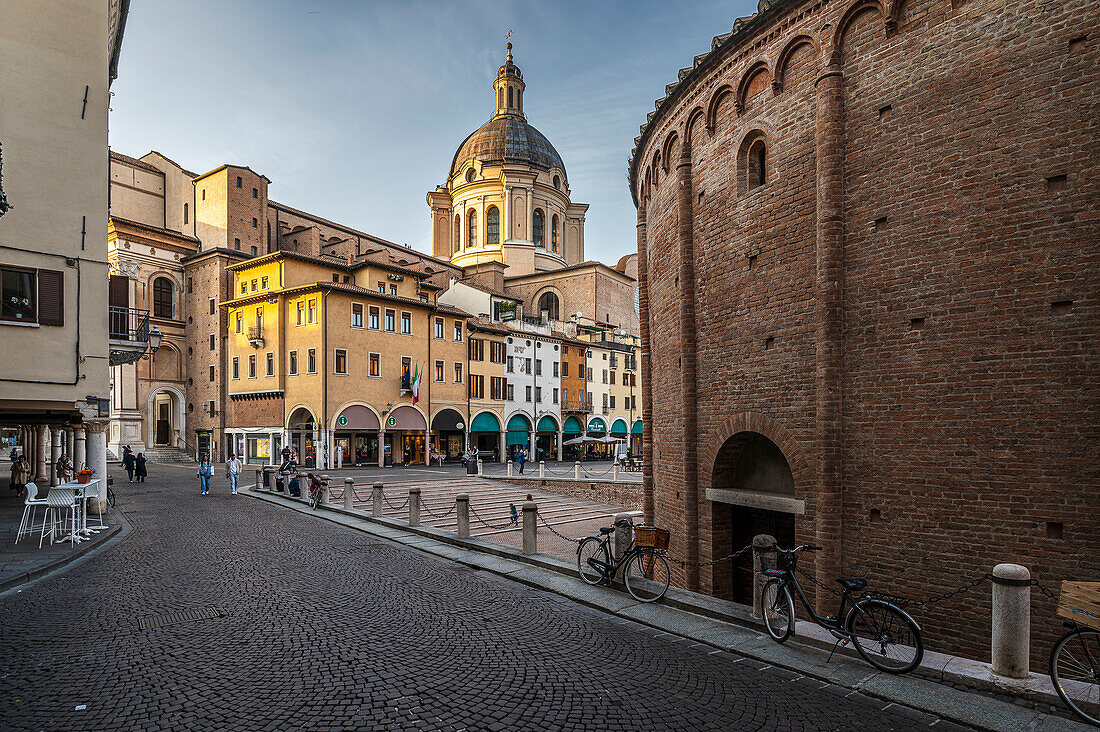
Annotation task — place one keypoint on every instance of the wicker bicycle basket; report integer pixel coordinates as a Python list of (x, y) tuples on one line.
[(650, 537), (1080, 602)]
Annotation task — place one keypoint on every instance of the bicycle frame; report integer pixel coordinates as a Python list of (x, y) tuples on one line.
[(610, 568), (834, 624)]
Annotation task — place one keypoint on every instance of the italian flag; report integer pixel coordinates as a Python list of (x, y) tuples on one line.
[(417, 376)]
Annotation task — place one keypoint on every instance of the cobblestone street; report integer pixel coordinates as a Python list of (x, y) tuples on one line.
[(321, 627)]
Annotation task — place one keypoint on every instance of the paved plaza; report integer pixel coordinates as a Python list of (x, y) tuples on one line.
[(318, 626)]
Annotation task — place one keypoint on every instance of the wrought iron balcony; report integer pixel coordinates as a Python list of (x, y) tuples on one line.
[(577, 405), (255, 332), (129, 335)]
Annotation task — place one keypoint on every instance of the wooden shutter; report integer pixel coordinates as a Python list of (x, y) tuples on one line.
[(119, 294), (51, 297)]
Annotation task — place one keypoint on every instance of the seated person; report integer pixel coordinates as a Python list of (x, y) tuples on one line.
[(294, 488)]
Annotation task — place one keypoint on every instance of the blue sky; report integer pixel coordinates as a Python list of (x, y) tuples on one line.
[(355, 109)]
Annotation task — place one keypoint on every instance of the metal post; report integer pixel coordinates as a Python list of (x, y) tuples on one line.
[(624, 535), (577, 470), (763, 557), (349, 494), (414, 507), (542, 468), (530, 529), (376, 500), (463, 511), (1011, 620)]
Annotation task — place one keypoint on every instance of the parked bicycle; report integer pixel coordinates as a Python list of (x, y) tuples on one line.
[(883, 634), (1075, 670), (645, 570), (316, 490)]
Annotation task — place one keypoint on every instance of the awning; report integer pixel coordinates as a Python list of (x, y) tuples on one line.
[(516, 437), (547, 424), (447, 420), (519, 423), (405, 418), (485, 422), (597, 426), (637, 428), (357, 417), (618, 427), (572, 426)]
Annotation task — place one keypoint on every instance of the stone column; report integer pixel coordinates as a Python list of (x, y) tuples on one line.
[(427, 448), (80, 450), (55, 453), (97, 461), (462, 510), (381, 448), (688, 386), (70, 442), (561, 439), (531, 214), (624, 535), (828, 321), (647, 396), (1011, 638), (482, 224), (503, 451), (763, 557), (41, 440), (530, 529), (376, 499), (506, 216), (414, 507), (531, 451)]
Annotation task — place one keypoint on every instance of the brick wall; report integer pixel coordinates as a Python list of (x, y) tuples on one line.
[(627, 495), (947, 398)]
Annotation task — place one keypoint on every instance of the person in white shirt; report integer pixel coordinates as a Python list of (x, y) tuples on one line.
[(233, 472)]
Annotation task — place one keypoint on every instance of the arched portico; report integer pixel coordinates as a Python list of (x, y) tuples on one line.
[(448, 433), (355, 427), (167, 417), (406, 435), (303, 431)]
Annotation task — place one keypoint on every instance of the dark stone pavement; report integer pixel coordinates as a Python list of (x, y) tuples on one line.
[(324, 628)]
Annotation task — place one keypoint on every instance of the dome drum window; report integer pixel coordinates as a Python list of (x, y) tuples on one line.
[(492, 227), (471, 241), (537, 229)]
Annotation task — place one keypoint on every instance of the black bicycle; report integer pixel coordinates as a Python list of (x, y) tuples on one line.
[(1075, 671), (645, 570), (882, 633)]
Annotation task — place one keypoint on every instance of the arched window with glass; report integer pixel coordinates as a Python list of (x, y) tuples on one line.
[(163, 297), (538, 228), (456, 245), (471, 229), (492, 227), (555, 240), (548, 303)]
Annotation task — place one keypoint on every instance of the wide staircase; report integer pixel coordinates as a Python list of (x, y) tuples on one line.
[(168, 455)]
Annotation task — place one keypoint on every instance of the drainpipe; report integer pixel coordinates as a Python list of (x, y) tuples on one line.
[(324, 375)]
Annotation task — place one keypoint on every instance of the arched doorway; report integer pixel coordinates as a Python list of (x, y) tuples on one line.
[(302, 427), (519, 434), (356, 435), (166, 417), (597, 428), (485, 435), (546, 439), (406, 436), (752, 492), (618, 432), (448, 434), (571, 429)]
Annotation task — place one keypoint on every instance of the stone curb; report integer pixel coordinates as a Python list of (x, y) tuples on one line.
[(701, 621), (82, 549)]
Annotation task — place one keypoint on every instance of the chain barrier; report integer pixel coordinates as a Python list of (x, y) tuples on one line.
[(596, 475), (425, 509), (734, 555), (555, 532), (486, 523), (395, 508)]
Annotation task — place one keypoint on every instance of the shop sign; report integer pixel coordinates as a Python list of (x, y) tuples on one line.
[(391, 422), (343, 420)]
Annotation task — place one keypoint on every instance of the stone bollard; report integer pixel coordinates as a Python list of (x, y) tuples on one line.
[(542, 468), (1011, 620), (509, 468), (577, 470), (349, 494), (414, 507), (615, 471), (462, 500), (326, 497), (376, 500), (763, 557), (624, 535), (259, 485), (530, 529), (480, 466)]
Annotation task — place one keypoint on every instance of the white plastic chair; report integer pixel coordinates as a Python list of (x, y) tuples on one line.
[(58, 501), (30, 505)]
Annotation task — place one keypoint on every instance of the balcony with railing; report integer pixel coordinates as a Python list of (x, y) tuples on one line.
[(582, 405), (129, 334), (255, 332)]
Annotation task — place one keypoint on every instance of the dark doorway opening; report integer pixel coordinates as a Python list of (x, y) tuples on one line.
[(747, 523)]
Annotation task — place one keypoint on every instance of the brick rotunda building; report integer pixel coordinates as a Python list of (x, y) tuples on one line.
[(869, 263)]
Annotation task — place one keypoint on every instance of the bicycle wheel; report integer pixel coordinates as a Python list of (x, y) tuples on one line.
[(590, 548), (885, 636), (778, 609), (646, 575), (110, 497), (1075, 671)]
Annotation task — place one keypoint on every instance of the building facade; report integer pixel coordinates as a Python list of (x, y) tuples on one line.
[(851, 338)]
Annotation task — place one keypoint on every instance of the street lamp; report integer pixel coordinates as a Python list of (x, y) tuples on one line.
[(155, 339)]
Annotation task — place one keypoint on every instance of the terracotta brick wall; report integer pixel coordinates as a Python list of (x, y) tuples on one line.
[(907, 306)]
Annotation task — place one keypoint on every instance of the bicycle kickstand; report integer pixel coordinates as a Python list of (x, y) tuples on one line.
[(838, 642)]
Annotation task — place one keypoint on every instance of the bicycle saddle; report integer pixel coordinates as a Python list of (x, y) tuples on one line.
[(852, 585), (607, 529)]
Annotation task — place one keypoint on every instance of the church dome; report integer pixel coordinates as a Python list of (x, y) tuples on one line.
[(508, 138)]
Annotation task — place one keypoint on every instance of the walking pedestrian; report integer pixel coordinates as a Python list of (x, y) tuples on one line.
[(14, 455), (20, 475), (129, 462), (125, 451), (521, 458), (205, 473), (64, 469), (140, 470), (233, 472), (515, 514)]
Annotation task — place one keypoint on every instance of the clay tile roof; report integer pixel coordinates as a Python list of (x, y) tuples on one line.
[(135, 162)]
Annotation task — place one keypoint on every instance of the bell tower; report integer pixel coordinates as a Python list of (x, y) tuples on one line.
[(508, 88)]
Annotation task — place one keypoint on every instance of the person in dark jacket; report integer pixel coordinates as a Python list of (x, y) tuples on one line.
[(129, 462), (125, 451), (139, 467)]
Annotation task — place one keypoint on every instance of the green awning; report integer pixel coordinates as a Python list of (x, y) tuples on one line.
[(517, 437), (618, 427), (637, 428), (485, 422), (518, 423), (547, 424), (597, 426), (572, 426)]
